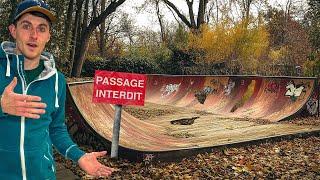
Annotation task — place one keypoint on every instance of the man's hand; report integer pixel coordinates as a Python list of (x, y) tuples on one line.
[(21, 105), (92, 166)]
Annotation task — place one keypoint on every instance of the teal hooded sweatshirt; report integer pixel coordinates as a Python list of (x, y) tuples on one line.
[(26, 144)]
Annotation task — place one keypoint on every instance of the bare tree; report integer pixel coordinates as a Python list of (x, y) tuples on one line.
[(85, 34), (245, 7), (154, 7), (192, 23)]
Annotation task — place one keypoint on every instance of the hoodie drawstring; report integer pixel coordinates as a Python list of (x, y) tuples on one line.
[(8, 66), (56, 89)]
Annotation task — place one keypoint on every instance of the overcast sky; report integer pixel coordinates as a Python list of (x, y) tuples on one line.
[(149, 20)]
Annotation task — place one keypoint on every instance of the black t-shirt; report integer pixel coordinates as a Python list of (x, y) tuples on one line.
[(34, 73)]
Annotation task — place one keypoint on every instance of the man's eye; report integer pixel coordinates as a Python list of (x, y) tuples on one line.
[(42, 29), (26, 26)]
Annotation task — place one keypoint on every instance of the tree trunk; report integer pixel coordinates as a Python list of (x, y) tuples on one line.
[(68, 23), (160, 19), (191, 14), (85, 14), (102, 41), (246, 11), (76, 32), (201, 12), (216, 4), (82, 47)]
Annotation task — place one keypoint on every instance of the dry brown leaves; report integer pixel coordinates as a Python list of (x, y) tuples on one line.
[(297, 158)]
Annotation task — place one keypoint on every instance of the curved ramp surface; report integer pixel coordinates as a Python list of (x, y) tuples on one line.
[(268, 98), (216, 109)]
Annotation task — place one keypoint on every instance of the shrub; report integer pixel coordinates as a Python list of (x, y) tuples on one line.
[(132, 65)]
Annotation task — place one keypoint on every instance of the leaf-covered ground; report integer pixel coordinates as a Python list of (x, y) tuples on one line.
[(297, 158)]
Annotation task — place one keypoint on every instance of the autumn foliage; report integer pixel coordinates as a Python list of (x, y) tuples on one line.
[(227, 43)]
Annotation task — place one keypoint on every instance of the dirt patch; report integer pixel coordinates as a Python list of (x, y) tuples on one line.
[(181, 135), (258, 121), (149, 111), (184, 121)]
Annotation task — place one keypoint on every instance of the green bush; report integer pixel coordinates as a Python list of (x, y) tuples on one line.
[(162, 61)]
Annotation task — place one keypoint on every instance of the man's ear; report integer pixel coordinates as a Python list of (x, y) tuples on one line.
[(12, 29), (49, 37)]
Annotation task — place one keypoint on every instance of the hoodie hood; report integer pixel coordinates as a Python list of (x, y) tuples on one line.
[(9, 48)]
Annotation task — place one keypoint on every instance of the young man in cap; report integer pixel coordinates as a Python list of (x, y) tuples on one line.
[(32, 111)]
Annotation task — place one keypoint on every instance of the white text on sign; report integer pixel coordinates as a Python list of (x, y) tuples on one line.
[(118, 94), (120, 82), (119, 88)]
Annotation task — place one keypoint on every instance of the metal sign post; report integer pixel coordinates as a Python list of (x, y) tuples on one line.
[(116, 132), (120, 89)]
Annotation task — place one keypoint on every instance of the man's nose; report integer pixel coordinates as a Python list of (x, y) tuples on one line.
[(33, 33)]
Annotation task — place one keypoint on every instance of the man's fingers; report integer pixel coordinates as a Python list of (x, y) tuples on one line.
[(30, 110), (12, 85), (99, 154), (38, 105), (103, 174), (104, 171), (27, 97), (29, 115)]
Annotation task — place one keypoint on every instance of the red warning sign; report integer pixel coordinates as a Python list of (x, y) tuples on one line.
[(119, 88)]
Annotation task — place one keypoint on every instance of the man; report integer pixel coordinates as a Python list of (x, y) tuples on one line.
[(32, 111)]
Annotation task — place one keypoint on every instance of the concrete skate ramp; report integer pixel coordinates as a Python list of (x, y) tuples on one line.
[(222, 111)]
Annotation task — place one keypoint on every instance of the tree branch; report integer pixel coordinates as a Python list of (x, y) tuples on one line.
[(181, 16)]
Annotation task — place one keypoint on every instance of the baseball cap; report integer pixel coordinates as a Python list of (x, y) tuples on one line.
[(34, 6)]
